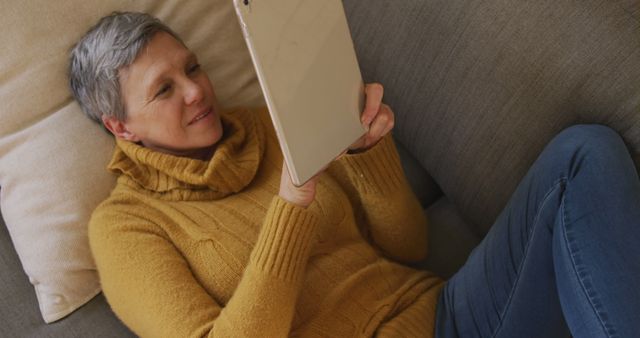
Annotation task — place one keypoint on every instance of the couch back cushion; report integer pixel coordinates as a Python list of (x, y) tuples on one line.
[(52, 158), (480, 87)]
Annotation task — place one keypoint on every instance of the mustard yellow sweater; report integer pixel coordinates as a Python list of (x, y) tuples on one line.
[(187, 248)]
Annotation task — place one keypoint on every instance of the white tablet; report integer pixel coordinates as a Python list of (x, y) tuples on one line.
[(306, 64)]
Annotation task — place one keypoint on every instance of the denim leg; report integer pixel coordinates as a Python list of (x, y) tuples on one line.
[(564, 253), (596, 244)]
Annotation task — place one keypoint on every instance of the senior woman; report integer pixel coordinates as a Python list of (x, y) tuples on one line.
[(205, 235)]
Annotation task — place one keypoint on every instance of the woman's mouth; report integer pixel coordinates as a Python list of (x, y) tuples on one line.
[(201, 116)]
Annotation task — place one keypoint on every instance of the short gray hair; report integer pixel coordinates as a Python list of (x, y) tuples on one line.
[(113, 43)]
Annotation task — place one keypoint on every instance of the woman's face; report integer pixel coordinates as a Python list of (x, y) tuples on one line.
[(169, 101)]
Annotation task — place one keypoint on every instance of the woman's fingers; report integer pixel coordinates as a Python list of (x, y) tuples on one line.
[(391, 119), (302, 195), (377, 118), (383, 122), (373, 94)]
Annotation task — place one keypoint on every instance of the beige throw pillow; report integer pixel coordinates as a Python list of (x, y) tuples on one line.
[(53, 158)]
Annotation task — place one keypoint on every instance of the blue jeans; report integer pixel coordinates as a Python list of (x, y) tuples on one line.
[(563, 257)]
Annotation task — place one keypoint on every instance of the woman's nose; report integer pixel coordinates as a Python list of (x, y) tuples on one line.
[(193, 92)]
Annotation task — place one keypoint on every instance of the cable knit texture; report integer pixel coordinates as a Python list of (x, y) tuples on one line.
[(189, 248)]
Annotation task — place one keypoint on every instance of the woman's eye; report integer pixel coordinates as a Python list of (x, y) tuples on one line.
[(194, 68), (163, 89)]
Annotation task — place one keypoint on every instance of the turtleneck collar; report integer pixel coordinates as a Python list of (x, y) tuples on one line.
[(231, 168)]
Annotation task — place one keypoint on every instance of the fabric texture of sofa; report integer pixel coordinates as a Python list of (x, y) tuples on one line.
[(478, 88)]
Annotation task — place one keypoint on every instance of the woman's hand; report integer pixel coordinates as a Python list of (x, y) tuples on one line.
[(377, 118), (303, 195)]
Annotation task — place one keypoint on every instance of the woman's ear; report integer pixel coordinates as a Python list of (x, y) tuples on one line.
[(118, 128)]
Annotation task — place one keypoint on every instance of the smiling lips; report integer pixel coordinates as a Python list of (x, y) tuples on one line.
[(200, 116)]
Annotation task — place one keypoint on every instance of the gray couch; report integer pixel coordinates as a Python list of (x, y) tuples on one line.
[(478, 87)]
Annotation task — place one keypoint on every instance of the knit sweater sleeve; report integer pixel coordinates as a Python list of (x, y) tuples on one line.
[(151, 288), (376, 184)]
